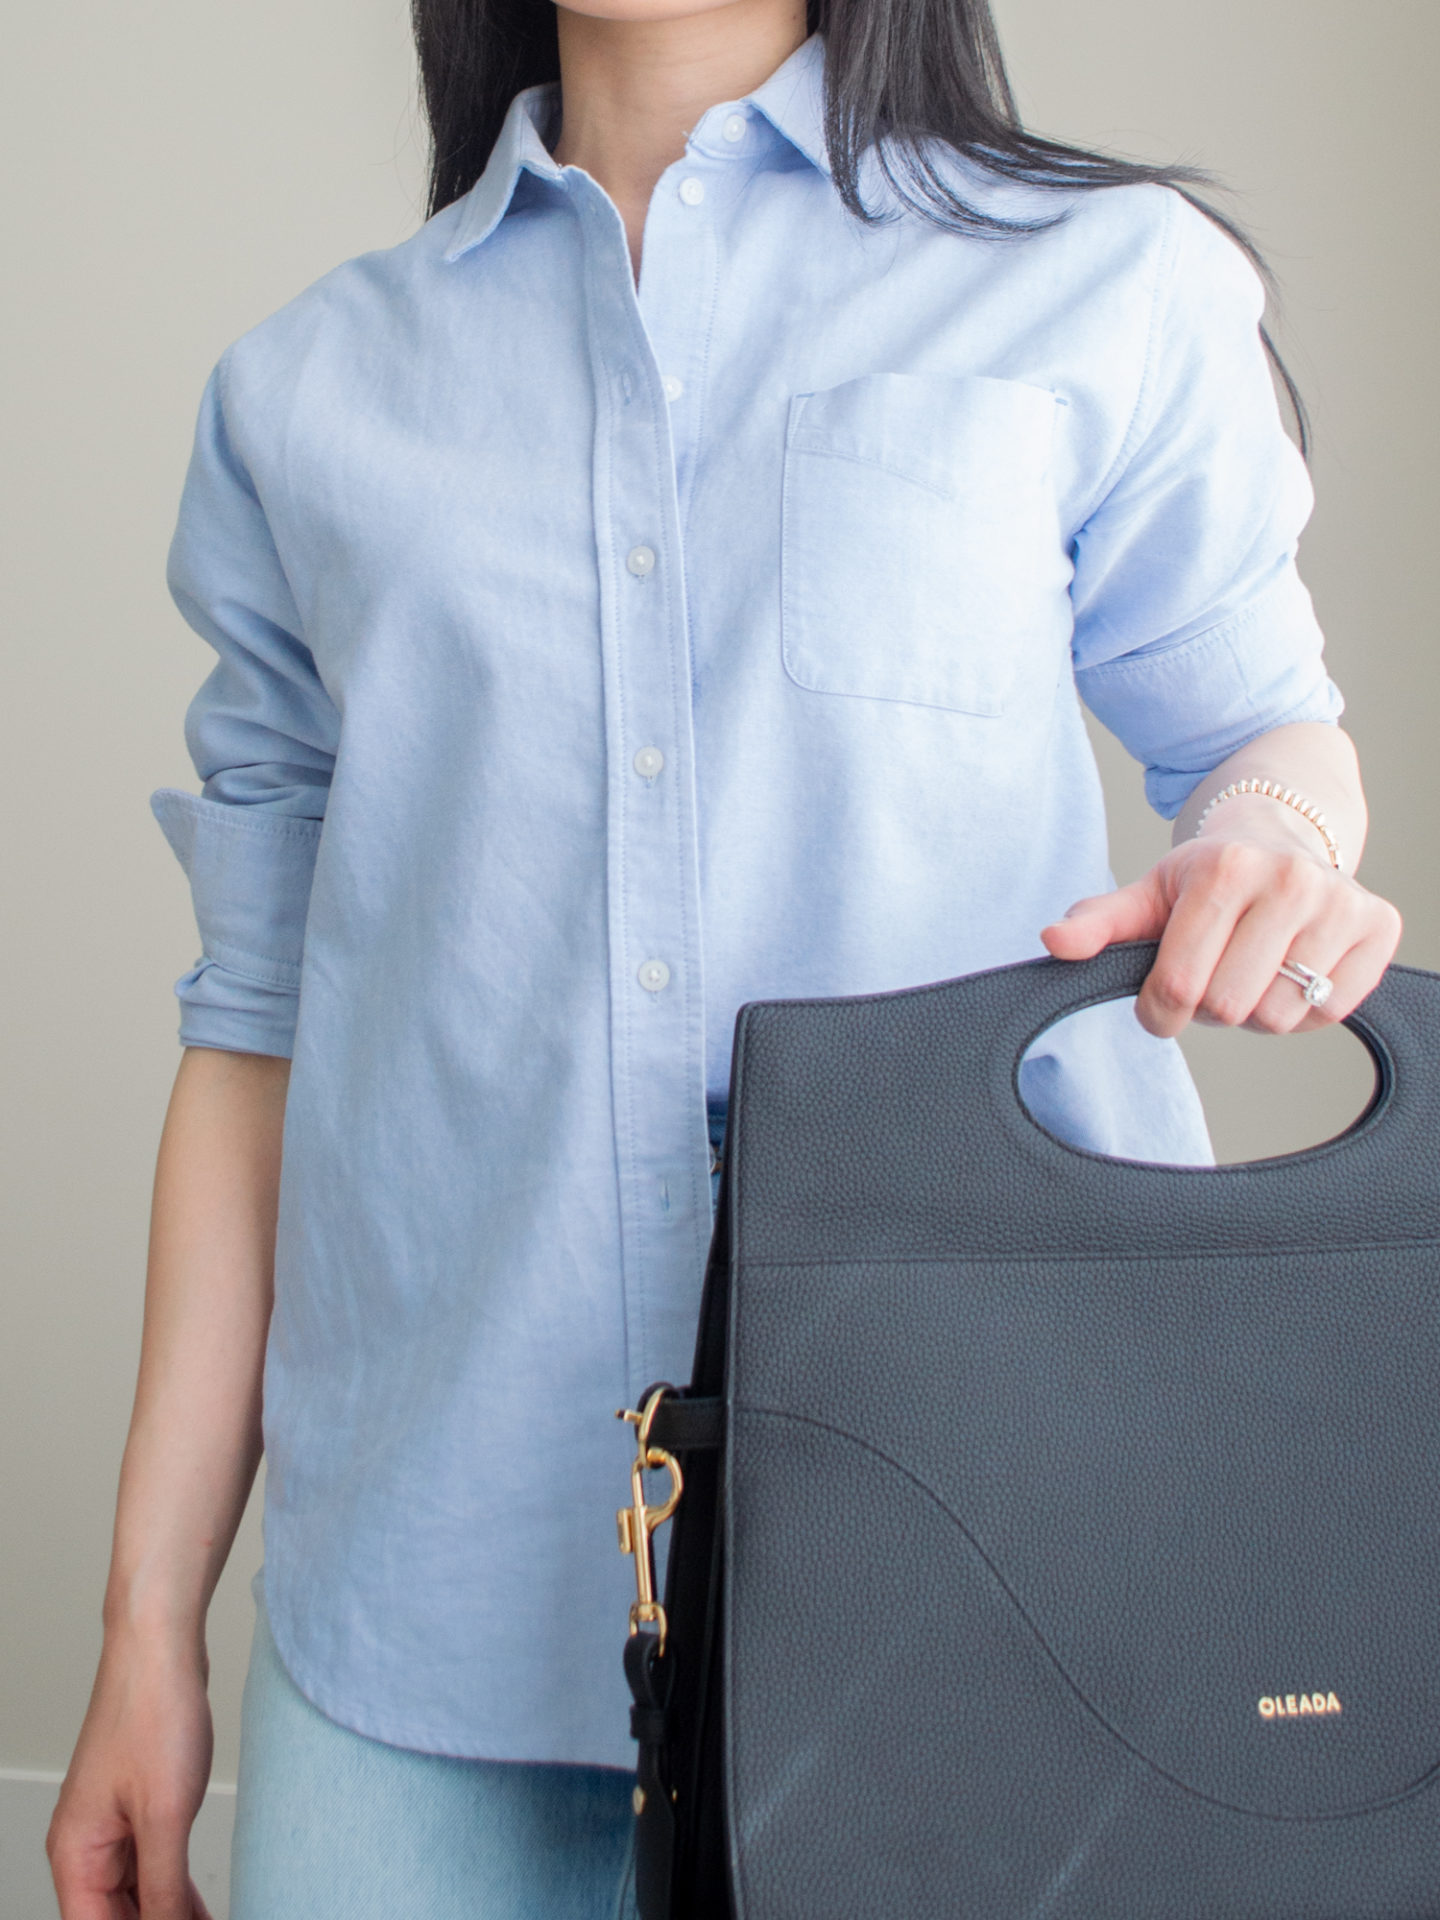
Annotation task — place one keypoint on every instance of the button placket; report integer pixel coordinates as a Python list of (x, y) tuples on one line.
[(652, 879), (679, 286)]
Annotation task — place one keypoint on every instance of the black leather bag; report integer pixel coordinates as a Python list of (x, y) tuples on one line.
[(1060, 1537)]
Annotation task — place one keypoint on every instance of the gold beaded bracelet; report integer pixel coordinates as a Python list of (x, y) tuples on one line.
[(1287, 797)]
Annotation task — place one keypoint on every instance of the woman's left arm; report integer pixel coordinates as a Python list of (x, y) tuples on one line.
[(1254, 888)]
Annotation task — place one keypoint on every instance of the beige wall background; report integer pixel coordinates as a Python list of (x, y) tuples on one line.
[(176, 172)]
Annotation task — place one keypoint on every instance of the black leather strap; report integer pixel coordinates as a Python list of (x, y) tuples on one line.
[(648, 1673), (683, 1425)]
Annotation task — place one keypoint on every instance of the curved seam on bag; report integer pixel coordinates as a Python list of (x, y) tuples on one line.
[(1417, 1787)]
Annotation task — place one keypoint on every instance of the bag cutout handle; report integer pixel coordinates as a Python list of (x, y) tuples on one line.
[(1066, 987)]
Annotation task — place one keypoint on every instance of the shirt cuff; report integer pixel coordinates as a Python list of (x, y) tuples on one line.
[(225, 1010), (250, 873), (1182, 709)]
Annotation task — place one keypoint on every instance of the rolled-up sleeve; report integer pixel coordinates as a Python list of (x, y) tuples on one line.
[(1193, 631), (261, 732)]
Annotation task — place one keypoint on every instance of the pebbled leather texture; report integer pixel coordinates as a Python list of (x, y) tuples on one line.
[(1041, 1471)]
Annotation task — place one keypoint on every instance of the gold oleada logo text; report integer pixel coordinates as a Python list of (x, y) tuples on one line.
[(1293, 1706)]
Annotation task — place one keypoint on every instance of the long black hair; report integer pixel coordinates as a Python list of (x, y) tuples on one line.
[(900, 75)]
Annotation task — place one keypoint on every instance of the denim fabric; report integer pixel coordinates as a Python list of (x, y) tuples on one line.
[(592, 658), (330, 1825), (715, 1117)]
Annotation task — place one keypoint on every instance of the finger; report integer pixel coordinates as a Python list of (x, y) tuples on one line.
[(1282, 1006), (1207, 906), (1136, 912), (1295, 915), (78, 1900), (1351, 941), (162, 1856), (93, 1872), (1354, 974), (81, 1898)]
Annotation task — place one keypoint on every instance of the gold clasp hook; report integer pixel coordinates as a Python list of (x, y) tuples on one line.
[(638, 1521)]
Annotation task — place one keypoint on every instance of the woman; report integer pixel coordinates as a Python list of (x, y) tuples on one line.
[(669, 577)]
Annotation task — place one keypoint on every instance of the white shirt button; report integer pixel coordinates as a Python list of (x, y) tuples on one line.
[(641, 560), (692, 191), (648, 762), (654, 976), (734, 127), (673, 387)]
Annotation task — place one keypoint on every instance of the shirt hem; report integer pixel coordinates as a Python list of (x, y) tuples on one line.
[(416, 1738)]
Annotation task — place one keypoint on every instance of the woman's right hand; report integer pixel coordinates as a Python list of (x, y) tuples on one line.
[(119, 1840)]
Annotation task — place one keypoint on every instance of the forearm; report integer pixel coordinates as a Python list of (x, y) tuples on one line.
[(194, 1441), (1318, 762)]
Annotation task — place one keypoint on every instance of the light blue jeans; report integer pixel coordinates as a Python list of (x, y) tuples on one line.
[(332, 1826)]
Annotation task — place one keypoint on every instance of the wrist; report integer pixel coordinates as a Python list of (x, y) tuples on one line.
[(1274, 815), (155, 1610), (136, 1649), (1254, 820)]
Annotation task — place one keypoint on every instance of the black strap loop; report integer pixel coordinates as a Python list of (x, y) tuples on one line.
[(683, 1425), (649, 1675)]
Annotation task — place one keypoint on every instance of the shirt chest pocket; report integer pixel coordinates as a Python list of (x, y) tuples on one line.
[(920, 543)]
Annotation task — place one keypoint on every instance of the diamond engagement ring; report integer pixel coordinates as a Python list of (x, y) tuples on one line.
[(1316, 987)]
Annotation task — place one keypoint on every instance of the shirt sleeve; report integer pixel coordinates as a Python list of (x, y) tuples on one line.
[(1193, 631), (262, 732)]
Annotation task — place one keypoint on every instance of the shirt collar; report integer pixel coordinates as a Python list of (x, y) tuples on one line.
[(518, 148), (792, 100)]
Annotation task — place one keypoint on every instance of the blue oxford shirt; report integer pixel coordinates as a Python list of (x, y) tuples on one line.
[(592, 660)]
